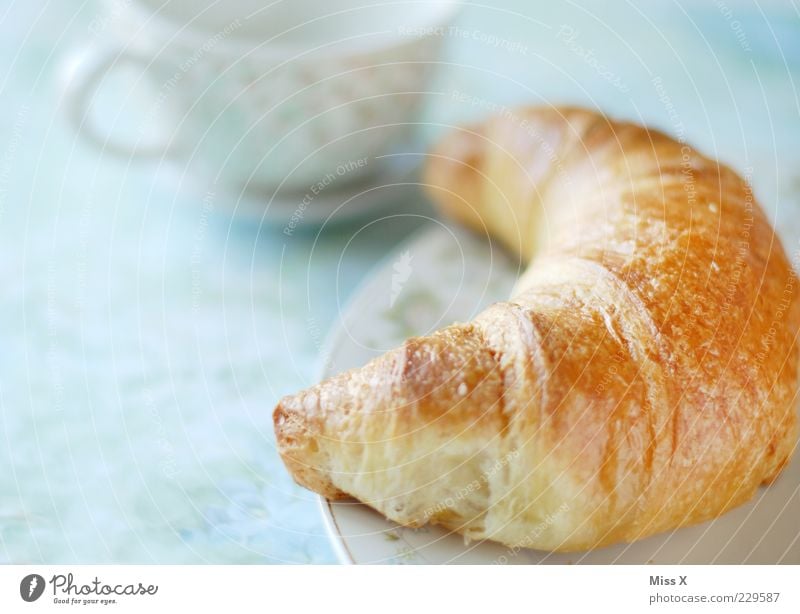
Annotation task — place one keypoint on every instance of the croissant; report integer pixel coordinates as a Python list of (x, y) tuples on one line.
[(642, 377)]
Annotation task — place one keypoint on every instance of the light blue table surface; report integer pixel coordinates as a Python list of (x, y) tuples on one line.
[(146, 338)]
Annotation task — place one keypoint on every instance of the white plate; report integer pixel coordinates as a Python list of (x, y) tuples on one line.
[(443, 275)]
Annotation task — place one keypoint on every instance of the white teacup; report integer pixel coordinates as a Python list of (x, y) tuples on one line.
[(264, 94)]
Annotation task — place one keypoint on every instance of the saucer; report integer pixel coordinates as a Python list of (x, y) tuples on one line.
[(324, 204)]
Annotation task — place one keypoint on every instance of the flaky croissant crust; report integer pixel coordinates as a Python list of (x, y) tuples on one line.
[(642, 377)]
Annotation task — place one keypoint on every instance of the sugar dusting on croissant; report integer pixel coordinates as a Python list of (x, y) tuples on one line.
[(642, 377)]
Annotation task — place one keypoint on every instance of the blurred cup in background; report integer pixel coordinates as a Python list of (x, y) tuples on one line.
[(259, 96)]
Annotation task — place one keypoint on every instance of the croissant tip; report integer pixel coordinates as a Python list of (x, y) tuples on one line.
[(299, 449)]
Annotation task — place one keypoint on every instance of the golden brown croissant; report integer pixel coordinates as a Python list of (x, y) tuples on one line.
[(642, 377)]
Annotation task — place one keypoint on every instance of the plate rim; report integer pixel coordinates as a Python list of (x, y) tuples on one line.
[(340, 549)]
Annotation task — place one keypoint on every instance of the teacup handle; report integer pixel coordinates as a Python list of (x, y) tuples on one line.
[(86, 77)]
